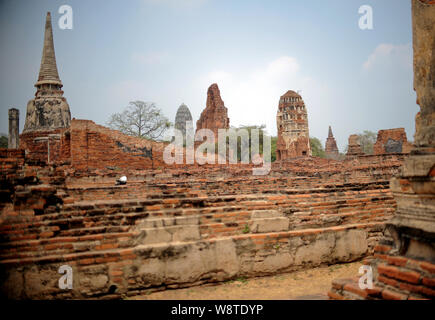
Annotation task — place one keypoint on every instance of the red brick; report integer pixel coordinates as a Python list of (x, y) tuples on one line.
[(106, 259), (428, 266), (116, 273), (154, 207), (382, 248), (335, 296), (409, 276), (411, 297), (388, 270), (351, 287), (277, 198), (430, 282), (398, 261), (427, 291), (388, 281), (87, 261), (92, 237), (392, 295), (374, 292), (393, 272), (106, 246), (46, 234)]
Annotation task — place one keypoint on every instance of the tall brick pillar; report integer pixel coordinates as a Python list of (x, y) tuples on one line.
[(404, 261), (413, 226), (14, 127)]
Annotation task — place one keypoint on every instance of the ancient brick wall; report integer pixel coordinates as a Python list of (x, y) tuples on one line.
[(94, 146), (396, 277), (354, 146), (38, 143), (178, 227), (392, 141)]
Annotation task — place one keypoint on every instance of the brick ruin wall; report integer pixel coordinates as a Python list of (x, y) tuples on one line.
[(395, 278), (178, 227), (86, 145), (35, 144), (97, 147), (392, 141)]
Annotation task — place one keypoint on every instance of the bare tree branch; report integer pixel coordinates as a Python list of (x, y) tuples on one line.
[(140, 119)]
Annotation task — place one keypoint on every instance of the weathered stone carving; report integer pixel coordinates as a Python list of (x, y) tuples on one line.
[(331, 149), (49, 109), (292, 123), (215, 115), (14, 126)]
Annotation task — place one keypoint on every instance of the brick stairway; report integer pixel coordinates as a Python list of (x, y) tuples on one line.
[(262, 222)]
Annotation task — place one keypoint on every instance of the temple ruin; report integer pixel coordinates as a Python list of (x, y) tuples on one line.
[(49, 109), (215, 115), (183, 120), (175, 226), (354, 146), (331, 149), (292, 123), (392, 141)]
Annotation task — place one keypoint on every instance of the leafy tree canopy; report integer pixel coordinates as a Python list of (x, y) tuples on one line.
[(317, 148)]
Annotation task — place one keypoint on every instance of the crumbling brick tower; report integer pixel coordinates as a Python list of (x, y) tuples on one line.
[(215, 115), (331, 149), (292, 123)]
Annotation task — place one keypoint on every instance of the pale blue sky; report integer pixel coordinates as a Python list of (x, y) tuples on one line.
[(170, 51)]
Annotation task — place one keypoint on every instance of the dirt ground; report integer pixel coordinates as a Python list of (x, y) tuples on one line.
[(310, 284)]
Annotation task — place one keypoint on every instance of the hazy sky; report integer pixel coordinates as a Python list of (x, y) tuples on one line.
[(170, 51)]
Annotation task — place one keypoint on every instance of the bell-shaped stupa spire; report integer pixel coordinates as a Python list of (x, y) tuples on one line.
[(48, 71)]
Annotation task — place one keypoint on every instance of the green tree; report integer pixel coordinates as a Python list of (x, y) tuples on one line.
[(140, 119), (273, 149), (317, 148), (3, 141)]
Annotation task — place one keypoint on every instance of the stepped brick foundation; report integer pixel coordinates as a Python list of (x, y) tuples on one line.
[(182, 226)]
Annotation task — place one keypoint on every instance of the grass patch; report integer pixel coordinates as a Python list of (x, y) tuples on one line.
[(242, 280)]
